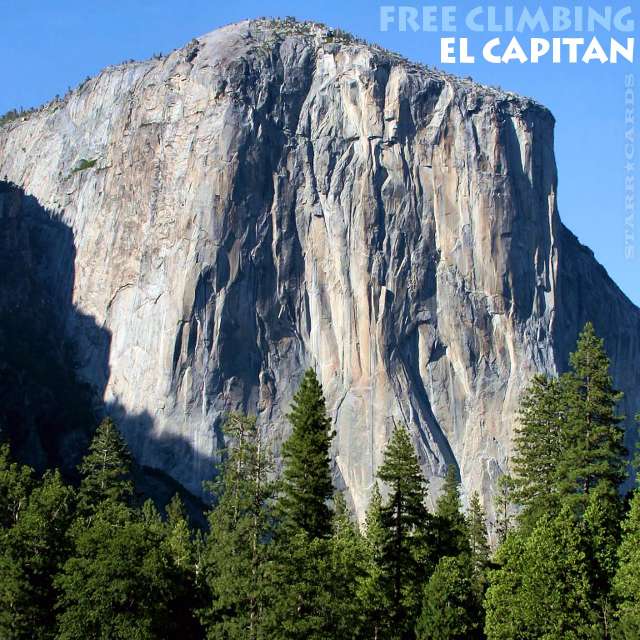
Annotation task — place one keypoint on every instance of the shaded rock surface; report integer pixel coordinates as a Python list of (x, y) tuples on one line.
[(275, 196)]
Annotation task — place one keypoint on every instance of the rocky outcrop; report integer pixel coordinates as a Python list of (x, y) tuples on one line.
[(276, 196)]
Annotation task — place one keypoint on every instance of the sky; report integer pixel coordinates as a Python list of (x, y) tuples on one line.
[(47, 46)]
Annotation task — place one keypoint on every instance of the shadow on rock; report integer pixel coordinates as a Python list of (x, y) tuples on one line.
[(47, 408), (54, 360)]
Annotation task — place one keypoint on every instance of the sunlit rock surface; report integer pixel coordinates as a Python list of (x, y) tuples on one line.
[(276, 196)]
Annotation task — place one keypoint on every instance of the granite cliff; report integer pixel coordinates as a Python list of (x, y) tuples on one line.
[(277, 195)]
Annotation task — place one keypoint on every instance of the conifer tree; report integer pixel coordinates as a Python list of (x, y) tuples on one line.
[(450, 610), (504, 616), (626, 584), (449, 522), (180, 548), (236, 551), (478, 543), (179, 538), (596, 455), (31, 553), (16, 482), (307, 487), (300, 581), (121, 580), (540, 445), (542, 586), (371, 587), (601, 530), (106, 469), (404, 557), (348, 566), (570, 439), (116, 584), (301, 605), (503, 508)]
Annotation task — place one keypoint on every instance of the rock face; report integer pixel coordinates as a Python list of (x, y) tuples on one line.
[(276, 196)]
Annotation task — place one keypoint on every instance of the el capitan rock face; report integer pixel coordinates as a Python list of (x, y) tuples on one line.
[(275, 196)]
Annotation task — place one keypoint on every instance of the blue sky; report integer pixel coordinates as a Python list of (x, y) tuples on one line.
[(47, 46)]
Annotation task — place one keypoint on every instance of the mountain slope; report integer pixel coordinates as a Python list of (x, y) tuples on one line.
[(276, 195)]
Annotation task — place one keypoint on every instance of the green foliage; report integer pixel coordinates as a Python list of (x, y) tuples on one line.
[(542, 587), (539, 443), (371, 586), (452, 599), (556, 571), (348, 560), (479, 552), (15, 114), (300, 596), (450, 610), (626, 584), (117, 584), (236, 555), (450, 524), (570, 439), (315, 583), (84, 164), (128, 575), (16, 481), (183, 558), (31, 553), (310, 546), (306, 487), (106, 469), (179, 539), (279, 563), (404, 553), (596, 456), (601, 529), (503, 505)]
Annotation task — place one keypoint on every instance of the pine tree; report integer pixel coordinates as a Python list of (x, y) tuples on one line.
[(236, 551), (626, 584), (180, 549), (503, 507), (348, 566), (404, 519), (539, 444), (301, 577), (450, 609), (570, 438), (371, 590), (450, 524), (121, 580), (31, 553), (307, 484), (505, 616), (596, 455), (542, 586), (16, 482), (301, 606), (601, 530), (114, 586), (478, 543), (180, 537), (106, 469)]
